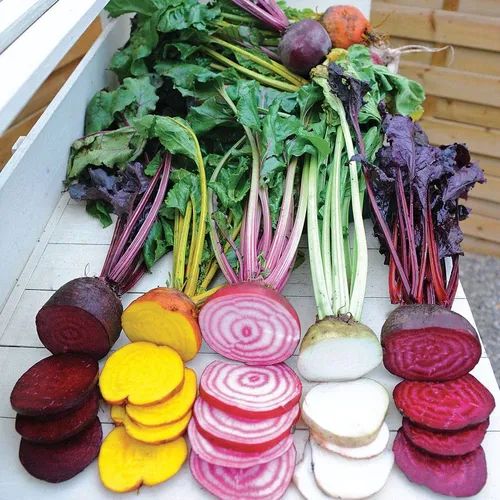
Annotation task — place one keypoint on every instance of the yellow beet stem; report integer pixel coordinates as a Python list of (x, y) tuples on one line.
[(177, 224), (180, 263), (193, 236), (202, 297)]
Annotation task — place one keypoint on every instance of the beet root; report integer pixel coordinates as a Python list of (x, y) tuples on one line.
[(83, 316), (429, 343), (446, 443), (62, 461), (460, 476), (55, 384), (450, 405), (59, 427)]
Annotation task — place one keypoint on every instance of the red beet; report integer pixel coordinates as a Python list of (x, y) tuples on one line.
[(62, 461), (59, 427), (55, 384), (82, 316), (429, 343), (446, 443), (450, 405), (460, 476)]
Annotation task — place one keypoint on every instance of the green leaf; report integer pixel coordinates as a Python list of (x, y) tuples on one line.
[(154, 246), (247, 105), (118, 7), (212, 113), (183, 14), (100, 210), (185, 188), (153, 166)]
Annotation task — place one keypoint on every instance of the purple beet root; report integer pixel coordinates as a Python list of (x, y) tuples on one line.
[(460, 476), (451, 405), (55, 384), (62, 461), (446, 443), (61, 426), (83, 316), (429, 343)]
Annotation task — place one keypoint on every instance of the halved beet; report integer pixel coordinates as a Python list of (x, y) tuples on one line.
[(83, 316), (55, 384), (447, 443), (61, 426), (460, 476), (450, 405), (62, 461), (429, 343)]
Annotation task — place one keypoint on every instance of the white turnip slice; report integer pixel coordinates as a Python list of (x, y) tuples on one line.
[(350, 478), (304, 479), (346, 413)]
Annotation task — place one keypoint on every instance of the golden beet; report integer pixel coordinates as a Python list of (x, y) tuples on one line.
[(125, 463)]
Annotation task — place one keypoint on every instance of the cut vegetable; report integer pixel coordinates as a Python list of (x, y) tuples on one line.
[(55, 384), (141, 373), (152, 434), (267, 481), (447, 443), (304, 479), (169, 411), (342, 477), (451, 405), (167, 317), (336, 350), (59, 427), (460, 476), (429, 343), (376, 447), (348, 414), (250, 392), (61, 461), (242, 434), (125, 464), (226, 457), (251, 323), (83, 316)]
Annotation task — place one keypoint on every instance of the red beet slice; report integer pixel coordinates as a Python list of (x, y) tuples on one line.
[(62, 461), (55, 384), (429, 343), (460, 476), (83, 316), (446, 443), (450, 405), (59, 427)]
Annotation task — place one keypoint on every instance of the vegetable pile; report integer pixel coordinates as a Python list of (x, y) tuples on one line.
[(57, 403), (240, 436)]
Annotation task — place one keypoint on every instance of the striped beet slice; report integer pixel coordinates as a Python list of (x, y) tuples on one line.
[(250, 391), (460, 476), (447, 443), (266, 481), (450, 405), (242, 434), (429, 343)]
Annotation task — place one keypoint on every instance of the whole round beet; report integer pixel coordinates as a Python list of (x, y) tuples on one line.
[(304, 45)]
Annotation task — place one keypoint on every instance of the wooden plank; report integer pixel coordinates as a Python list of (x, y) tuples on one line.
[(484, 247), (480, 226), (483, 207), (489, 190), (479, 7), (490, 165), (454, 84), (438, 25)]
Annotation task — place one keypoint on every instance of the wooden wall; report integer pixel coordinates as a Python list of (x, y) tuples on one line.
[(36, 106), (463, 102)]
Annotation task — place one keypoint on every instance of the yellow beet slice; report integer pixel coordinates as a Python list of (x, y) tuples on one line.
[(171, 409), (125, 464), (142, 374), (164, 316), (153, 434)]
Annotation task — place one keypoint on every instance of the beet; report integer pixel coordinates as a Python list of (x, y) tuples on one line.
[(447, 443), (460, 476), (55, 384), (62, 461), (82, 316), (429, 343), (61, 426), (450, 405)]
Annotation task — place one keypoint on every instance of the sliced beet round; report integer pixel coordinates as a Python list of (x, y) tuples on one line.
[(55, 384), (61, 426), (429, 343), (447, 443), (83, 316), (460, 476), (450, 405), (62, 461)]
